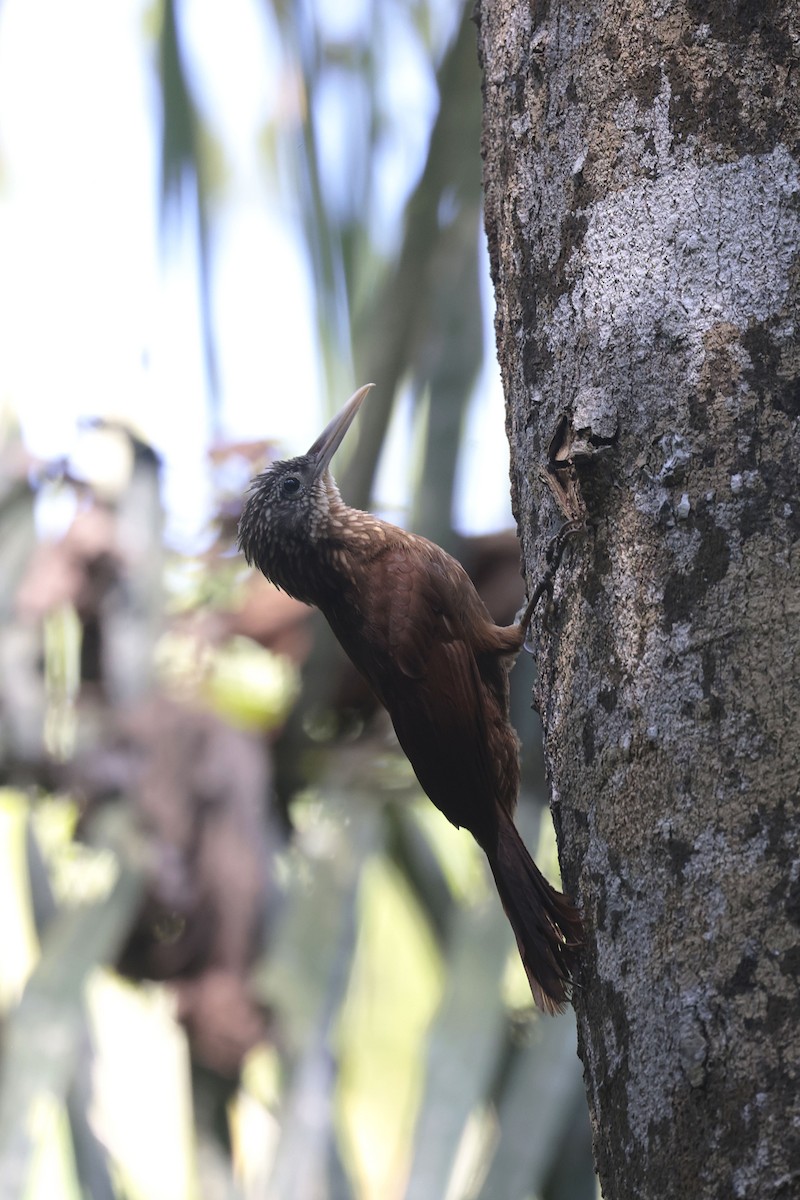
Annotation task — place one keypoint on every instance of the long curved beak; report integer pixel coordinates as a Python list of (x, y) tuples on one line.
[(331, 437)]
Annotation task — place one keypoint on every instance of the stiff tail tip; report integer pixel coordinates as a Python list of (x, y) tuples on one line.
[(547, 926)]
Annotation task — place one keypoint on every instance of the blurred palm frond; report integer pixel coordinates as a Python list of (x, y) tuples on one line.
[(185, 147)]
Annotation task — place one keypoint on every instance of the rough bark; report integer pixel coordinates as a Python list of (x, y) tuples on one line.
[(642, 212)]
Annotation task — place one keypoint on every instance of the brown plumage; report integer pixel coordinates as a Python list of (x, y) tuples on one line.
[(410, 619)]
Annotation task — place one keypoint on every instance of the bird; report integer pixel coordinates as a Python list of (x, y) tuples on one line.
[(410, 619)]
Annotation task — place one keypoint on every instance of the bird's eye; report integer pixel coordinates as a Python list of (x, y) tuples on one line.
[(291, 485)]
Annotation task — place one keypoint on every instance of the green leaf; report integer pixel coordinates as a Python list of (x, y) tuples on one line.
[(44, 1035)]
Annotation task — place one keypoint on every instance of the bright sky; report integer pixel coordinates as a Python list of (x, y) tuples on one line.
[(93, 322)]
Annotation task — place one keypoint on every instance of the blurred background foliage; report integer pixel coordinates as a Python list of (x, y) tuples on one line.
[(240, 954)]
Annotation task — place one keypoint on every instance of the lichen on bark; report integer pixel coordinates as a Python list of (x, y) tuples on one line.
[(643, 217)]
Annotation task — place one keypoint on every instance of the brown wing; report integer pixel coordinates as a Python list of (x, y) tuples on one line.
[(448, 706), (423, 639)]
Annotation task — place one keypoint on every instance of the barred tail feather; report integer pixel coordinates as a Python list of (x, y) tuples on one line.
[(546, 925)]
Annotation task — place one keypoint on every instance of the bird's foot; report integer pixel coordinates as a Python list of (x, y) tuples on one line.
[(553, 556)]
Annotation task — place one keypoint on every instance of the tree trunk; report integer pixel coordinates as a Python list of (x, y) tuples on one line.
[(642, 214)]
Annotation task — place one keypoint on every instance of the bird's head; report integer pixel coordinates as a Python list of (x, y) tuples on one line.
[(289, 504)]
